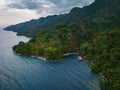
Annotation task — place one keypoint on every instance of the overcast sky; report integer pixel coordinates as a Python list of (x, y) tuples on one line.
[(16, 11)]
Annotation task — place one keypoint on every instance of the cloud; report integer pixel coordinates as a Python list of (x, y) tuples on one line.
[(49, 6), (13, 16), (16, 11)]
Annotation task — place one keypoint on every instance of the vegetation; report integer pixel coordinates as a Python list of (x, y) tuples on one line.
[(100, 8), (104, 52), (53, 44), (93, 31), (100, 45)]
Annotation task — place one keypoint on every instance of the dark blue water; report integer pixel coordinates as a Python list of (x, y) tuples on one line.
[(24, 73)]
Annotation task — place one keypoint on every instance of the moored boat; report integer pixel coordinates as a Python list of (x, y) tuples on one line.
[(80, 58)]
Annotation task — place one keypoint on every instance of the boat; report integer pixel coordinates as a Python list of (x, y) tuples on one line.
[(80, 58)]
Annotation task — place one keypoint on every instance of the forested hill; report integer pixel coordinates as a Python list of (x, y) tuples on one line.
[(30, 28), (100, 8), (92, 31)]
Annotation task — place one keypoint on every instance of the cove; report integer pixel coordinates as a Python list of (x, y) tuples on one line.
[(25, 73)]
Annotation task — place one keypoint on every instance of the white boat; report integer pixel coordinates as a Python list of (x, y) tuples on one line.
[(80, 58)]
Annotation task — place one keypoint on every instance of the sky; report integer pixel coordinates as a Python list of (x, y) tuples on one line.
[(16, 11)]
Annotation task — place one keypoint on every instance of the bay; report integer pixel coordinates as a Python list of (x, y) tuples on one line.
[(25, 73)]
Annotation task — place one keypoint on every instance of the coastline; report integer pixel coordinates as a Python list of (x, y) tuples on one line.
[(39, 57), (45, 59), (32, 56)]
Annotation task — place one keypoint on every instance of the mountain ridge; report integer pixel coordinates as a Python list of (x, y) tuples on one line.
[(98, 8)]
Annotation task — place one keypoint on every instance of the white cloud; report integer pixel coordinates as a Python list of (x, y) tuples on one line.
[(15, 11), (13, 16)]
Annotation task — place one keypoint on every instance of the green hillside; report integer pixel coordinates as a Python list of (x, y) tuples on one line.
[(100, 8), (104, 52), (92, 31), (98, 40)]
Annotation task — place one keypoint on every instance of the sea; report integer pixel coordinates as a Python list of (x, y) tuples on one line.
[(26, 73)]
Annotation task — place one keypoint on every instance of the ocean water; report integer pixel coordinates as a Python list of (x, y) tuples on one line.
[(25, 73)]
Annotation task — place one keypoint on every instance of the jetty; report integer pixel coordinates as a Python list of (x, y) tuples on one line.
[(68, 54)]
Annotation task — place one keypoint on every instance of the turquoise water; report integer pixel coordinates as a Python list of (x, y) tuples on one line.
[(25, 73)]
